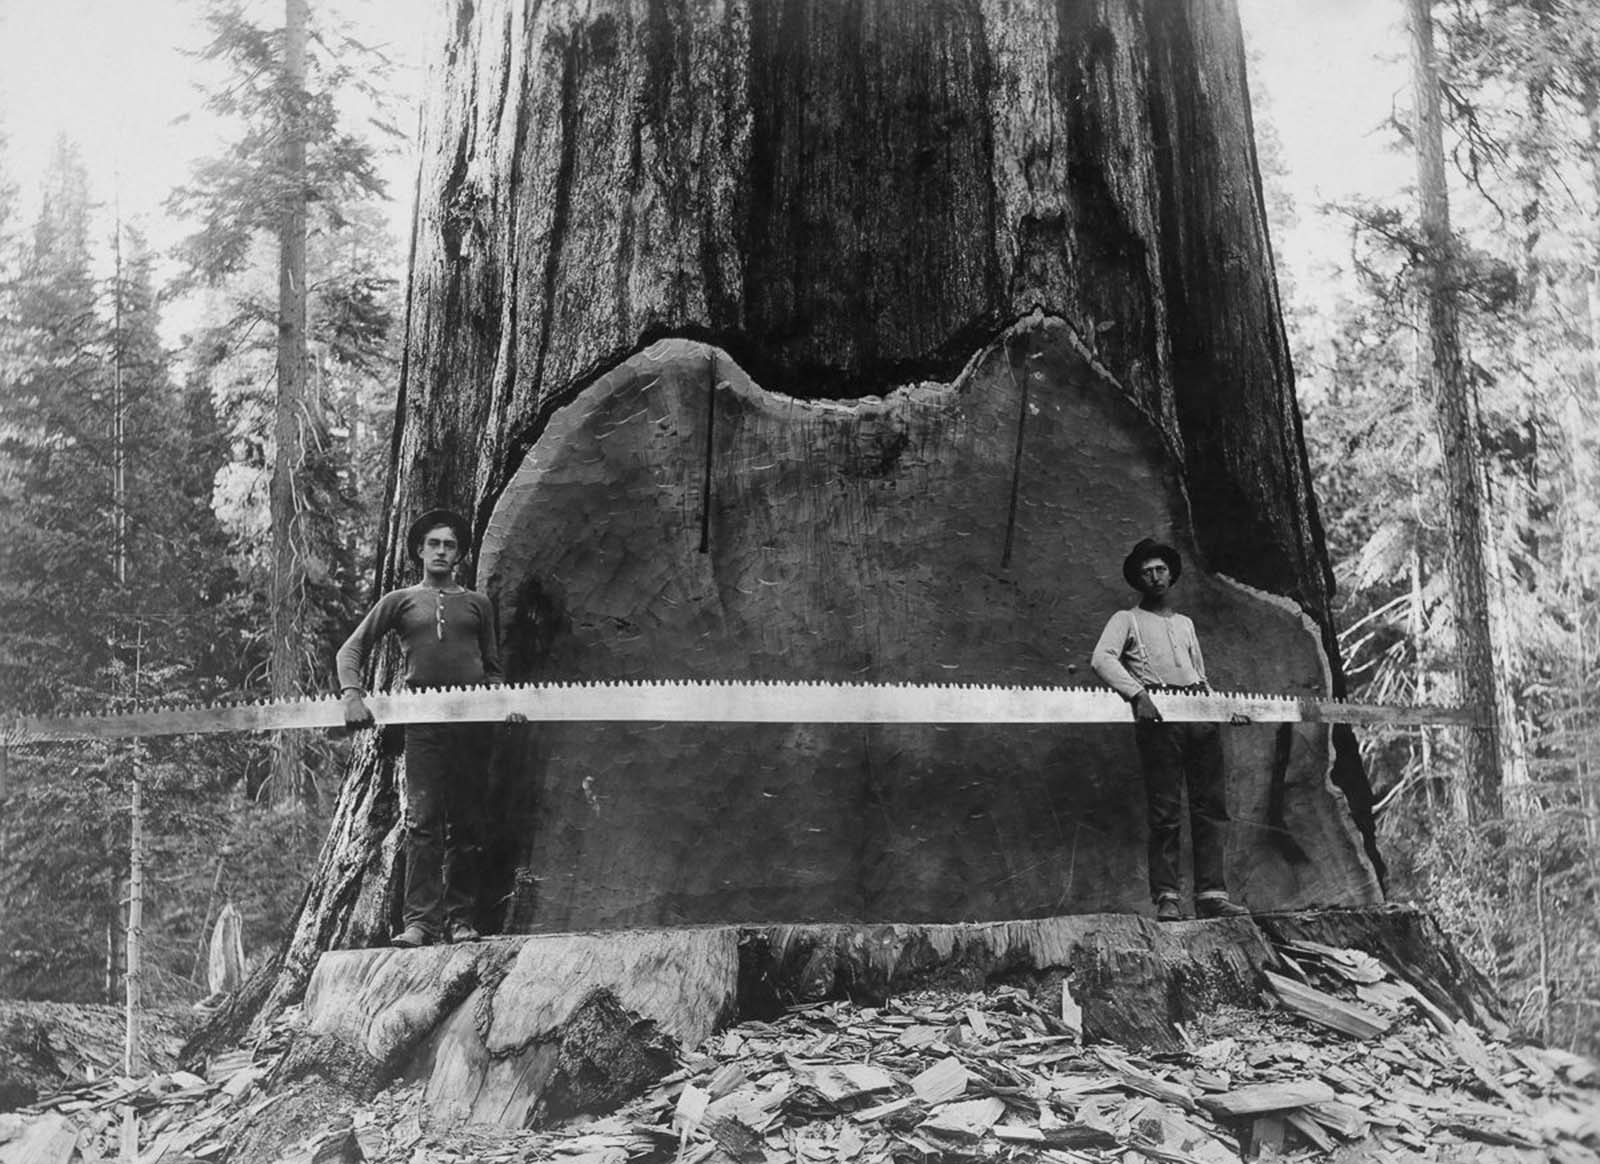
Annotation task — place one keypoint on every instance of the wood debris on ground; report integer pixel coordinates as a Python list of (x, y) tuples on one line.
[(47, 1046), (170, 1115), (1351, 1063)]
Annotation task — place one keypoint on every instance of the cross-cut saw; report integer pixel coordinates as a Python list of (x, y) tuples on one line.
[(696, 701)]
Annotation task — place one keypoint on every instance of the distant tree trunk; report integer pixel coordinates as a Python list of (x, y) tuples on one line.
[(1416, 624), (133, 979), (1458, 435), (287, 597), (999, 280), (1591, 110), (133, 998), (1578, 527)]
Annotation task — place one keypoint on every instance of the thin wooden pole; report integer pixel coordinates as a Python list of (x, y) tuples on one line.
[(133, 971), (133, 1050)]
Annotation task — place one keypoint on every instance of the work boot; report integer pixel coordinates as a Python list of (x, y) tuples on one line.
[(410, 938), (462, 932), (1219, 907), (1168, 910)]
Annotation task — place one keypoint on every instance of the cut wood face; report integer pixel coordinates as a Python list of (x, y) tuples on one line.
[(970, 532)]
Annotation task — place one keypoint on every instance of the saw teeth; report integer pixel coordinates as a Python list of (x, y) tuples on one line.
[(900, 701)]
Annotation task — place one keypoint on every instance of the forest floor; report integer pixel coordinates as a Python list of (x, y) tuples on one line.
[(48, 1046), (1358, 1069)]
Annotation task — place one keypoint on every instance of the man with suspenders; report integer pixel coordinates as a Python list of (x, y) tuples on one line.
[(1145, 650)]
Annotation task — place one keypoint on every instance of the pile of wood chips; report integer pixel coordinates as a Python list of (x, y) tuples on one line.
[(45, 1046), (165, 1115), (1349, 1064)]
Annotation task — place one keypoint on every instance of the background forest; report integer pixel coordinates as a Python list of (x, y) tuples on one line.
[(143, 418), (137, 508)]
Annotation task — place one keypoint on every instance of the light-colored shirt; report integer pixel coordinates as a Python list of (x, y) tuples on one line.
[(1144, 648)]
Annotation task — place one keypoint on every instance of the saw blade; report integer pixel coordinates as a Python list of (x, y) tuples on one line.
[(695, 701)]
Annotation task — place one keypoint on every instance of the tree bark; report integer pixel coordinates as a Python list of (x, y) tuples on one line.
[(954, 302), (1455, 413), (287, 594), (846, 197)]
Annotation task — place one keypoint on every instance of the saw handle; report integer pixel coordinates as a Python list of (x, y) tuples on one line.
[(357, 715)]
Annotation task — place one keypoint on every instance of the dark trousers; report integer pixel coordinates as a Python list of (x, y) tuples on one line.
[(446, 778), (1175, 755)]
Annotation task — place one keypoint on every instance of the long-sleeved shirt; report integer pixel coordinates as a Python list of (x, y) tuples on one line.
[(1144, 648), (446, 639)]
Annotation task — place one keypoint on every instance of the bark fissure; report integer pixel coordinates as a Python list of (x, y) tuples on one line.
[(555, 251), (509, 346), (1108, 254)]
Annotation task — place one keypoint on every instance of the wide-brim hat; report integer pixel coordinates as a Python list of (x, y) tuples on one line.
[(432, 520), (1143, 552)]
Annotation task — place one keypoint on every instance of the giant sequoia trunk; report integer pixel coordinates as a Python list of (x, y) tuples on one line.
[(849, 340)]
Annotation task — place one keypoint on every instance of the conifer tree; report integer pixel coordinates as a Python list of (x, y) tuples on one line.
[(84, 359), (56, 576), (295, 179), (1456, 413), (58, 582), (1520, 153)]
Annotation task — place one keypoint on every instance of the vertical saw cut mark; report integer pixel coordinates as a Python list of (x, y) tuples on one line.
[(711, 431), (1016, 457)]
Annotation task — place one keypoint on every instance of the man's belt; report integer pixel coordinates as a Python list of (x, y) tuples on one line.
[(723, 702)]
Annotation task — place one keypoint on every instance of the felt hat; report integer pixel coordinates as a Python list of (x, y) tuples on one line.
[(432, 520), (1146, 549)]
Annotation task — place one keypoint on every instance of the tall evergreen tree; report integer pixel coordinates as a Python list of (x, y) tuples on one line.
[(57, 579), (1456, 413), (1524, 200), (287, 592), (298, 175), (10, 324), (63, 850), (87, 377), (8, 212)]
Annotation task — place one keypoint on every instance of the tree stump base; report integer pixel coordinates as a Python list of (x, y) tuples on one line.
[(527, 1030)]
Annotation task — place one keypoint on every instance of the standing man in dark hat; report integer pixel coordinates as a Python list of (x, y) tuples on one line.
[(1145, 650), (447, 638)]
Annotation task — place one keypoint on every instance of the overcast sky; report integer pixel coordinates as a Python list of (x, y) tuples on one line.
[(112, 75), (1332, 71), (116, 77)]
